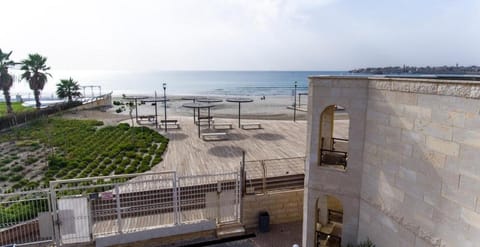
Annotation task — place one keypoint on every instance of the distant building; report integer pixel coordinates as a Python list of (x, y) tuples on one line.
[(408, 173)]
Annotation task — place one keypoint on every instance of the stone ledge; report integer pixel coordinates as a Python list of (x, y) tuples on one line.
[(464, 89), (456, 88)]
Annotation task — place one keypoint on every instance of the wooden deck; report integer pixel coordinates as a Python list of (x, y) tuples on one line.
[(189, 155)]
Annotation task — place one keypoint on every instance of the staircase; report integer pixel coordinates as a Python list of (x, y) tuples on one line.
[(230, 230)]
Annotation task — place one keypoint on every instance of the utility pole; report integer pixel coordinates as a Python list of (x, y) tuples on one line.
[(295, 102), (165, 104)]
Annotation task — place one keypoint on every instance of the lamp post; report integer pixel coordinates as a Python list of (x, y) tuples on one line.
[(295, 102), (165, 104), (156, 113)]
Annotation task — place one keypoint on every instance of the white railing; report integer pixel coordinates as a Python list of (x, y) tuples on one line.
[(25, 218), (80, 210), (266, 175)]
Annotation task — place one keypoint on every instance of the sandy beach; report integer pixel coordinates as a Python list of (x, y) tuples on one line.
[(273, 107)]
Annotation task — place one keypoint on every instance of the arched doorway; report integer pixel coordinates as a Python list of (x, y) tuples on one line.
[(334, 128), (329, 221)]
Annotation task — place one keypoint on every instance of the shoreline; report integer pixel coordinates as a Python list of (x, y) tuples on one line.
[(272, 108)]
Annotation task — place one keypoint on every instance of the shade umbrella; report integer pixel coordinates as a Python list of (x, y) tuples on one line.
[(239, 101), (209, 100), (197, 106)]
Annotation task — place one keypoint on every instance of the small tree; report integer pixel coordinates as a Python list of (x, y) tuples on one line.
[(68, 88), (6, 80), (35, 72)]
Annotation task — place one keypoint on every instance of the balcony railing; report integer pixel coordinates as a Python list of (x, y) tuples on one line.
[(333, 156)]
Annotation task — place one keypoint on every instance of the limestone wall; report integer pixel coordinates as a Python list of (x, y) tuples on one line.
[(418, 166), (421, 169), (320, 180), (283, 207)]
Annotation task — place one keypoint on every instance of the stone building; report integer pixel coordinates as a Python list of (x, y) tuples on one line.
[(408, 171)]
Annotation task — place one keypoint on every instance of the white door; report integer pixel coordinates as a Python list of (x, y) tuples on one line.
[(74, 220)]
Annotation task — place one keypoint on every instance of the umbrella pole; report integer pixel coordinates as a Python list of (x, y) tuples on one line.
[(238, 114), (136, 111), (208, 118), (198, 114)]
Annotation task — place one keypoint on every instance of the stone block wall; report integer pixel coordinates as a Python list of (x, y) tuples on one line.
[(283, 207), (421, 165), (321, 181)]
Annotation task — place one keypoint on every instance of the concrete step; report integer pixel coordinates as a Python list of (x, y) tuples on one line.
[(230, 230)]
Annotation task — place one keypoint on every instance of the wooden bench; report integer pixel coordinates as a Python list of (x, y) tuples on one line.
[(216, 136), (204, 120), (216, 125), (258, 125), (168, 122), (149, 118)]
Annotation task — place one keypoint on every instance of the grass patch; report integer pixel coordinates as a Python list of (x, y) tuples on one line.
[(17, 108)]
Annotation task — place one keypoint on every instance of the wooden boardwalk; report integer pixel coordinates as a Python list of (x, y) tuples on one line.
[(189, 155)]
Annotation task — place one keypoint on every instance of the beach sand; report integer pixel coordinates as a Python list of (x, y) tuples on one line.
[(273, 107)]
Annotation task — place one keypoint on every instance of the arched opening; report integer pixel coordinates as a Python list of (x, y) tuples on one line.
[(334, 126), (329, 221)]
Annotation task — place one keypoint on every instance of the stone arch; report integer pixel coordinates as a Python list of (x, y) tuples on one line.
[(334, 136), (329, 221)]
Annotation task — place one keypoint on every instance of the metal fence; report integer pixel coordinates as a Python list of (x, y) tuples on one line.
[(262, 176), (215, 196), (25, 218), (92, 207), (9, 121), (80, 210)]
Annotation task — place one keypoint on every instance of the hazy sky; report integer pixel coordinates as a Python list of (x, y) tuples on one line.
[(242, 35)]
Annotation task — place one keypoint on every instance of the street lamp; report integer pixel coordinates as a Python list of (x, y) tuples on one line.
[(295, 102), (165, 104)]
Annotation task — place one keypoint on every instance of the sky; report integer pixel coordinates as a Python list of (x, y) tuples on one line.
[(139, 35)]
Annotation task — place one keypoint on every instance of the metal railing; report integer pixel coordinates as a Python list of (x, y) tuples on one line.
[(262, 176), (337, 155), (215, 196), (79, 210), (25, 218)]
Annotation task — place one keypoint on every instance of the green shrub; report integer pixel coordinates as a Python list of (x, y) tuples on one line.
[(30, 160), (119, 170), (156, 160), (95, 172), (131, 154), (17, 168), (6, 161), (123, 126), (15, 178), (62, 173), (143, 168), (130, 169)]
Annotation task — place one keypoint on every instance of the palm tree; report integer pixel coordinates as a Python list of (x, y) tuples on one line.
[(68, 89), (35, 72), (6, 79)]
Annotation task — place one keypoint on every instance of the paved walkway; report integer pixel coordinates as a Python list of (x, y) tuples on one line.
[(282, 235), (190, 155)]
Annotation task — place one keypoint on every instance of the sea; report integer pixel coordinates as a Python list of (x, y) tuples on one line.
[(215, 83)]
